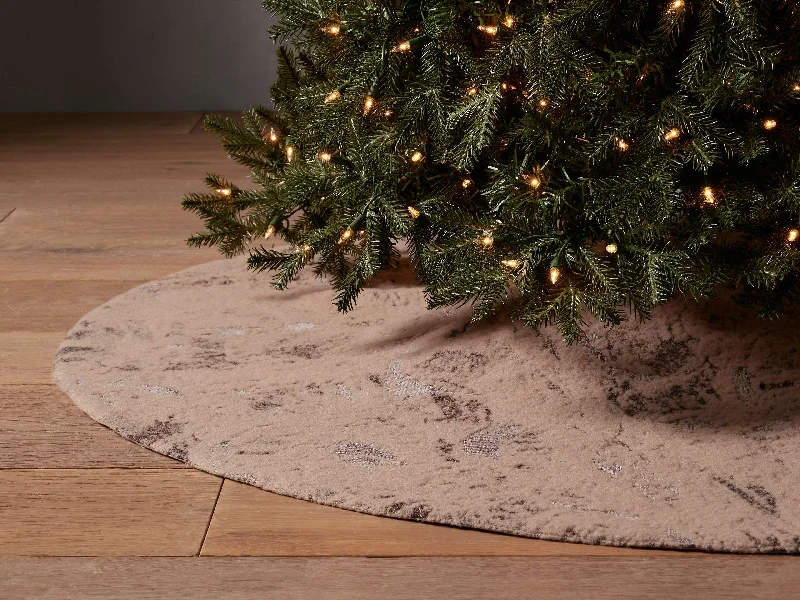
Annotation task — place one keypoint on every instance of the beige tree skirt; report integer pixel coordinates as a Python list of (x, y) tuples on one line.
[(680, 433)]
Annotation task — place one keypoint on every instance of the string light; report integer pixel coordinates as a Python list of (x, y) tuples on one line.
[(796, 87), (487, 241), (622, 145), (472, 91), (509, 21), (289, 153), (346, 235), (708, 195), (770, 124), (466, 183), (534, 181), (504, 86), (672, 134), (387, 113), (333, 29), (269, 232), (612, 248), (324, 156), (555, 274), (512, 263), (305, 248), (793, 235), (488, 29), (333, 96), (543, 103), (369, 102), (417, 156), (273, 137), (677, 5), (402, 47), (224, 192), (413, 212)]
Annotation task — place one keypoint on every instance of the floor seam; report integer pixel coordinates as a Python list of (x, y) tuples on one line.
[(199, 122), (9, 214), (210, 519)]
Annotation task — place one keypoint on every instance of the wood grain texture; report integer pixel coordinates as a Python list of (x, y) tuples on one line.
[(251, 522), (542, 578), (53, 306), (27, 357), (41, 428), (115, 125), (107, 208), (5, 212), (105, 512)]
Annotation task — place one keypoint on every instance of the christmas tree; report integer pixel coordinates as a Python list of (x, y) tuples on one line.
[(562, 157)]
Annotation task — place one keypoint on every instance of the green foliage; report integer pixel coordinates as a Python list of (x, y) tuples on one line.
[(666, 131)]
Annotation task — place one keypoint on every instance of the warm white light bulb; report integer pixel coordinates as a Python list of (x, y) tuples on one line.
[(369, 102), (225, 192), (269, 232), (555, 274), (708, 195), (333, 96), (672, 134), (346, 235), (612, 248), (770, 124), (793, 235), (512, 263), (417, 156), (413, 212)]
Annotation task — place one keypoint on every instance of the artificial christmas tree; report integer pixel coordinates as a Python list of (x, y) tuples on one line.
[(562, 155)]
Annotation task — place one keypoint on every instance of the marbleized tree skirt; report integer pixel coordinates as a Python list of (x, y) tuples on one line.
[(683, 432)]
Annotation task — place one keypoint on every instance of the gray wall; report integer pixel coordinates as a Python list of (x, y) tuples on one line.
[(134, 55)]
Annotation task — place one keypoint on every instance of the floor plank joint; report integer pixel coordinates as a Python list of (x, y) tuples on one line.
[(3, 217)]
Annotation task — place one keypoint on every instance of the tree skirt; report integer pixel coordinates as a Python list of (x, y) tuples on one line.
[(683, 432)]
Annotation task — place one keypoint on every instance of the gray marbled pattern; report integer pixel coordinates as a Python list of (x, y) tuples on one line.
[(682, 433)]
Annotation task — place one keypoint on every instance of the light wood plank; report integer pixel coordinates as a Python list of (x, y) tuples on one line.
[(53, 306), (251, 522), (27, 357), (139, 165), (73, 264), (96, 124), (5, 212), (107, 512), (41, 428), (543, 578)]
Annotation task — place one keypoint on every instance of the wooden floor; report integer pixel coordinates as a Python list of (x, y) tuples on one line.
[(90, 207)]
